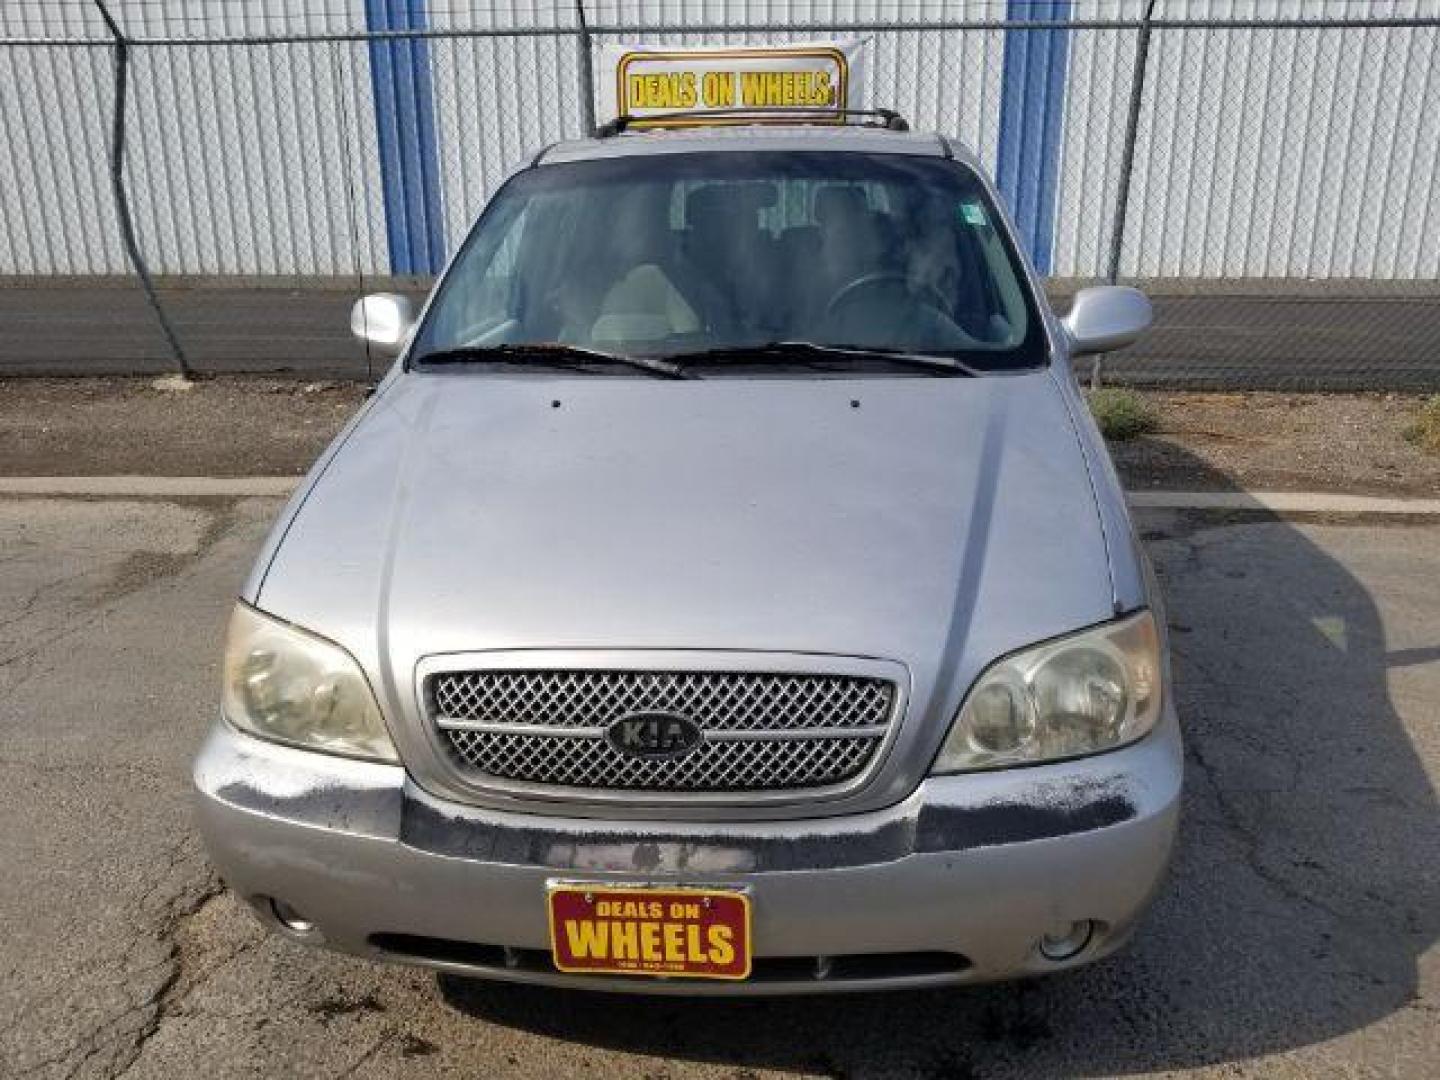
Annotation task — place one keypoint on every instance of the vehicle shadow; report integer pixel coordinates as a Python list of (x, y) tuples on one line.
[(1304, 889)]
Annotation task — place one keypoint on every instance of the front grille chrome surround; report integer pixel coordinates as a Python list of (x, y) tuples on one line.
[(763, 731)]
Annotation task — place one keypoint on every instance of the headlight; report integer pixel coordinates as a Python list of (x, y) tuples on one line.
[(292, 687), (1092, 691)]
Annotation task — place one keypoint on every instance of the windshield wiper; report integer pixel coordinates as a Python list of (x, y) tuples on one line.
[(812, 350), (553, 350)]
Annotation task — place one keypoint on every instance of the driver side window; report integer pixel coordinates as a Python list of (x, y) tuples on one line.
[(482, 302)]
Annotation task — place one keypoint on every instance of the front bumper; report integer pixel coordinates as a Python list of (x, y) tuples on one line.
[(955, 884)]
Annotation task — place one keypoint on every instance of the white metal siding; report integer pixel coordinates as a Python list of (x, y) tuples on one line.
[(1097, 100), (1288, 153), (253, 167), (56, 210), (498, 100), (240, 159), (1311, 153)]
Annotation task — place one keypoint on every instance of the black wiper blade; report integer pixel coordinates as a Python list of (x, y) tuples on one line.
[(813, 350), (554, 350)]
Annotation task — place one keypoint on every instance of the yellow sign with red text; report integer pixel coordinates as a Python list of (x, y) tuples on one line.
[(731, 85), (680, 932)]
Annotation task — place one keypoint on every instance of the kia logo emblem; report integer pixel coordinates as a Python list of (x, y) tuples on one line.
[(654, 734)]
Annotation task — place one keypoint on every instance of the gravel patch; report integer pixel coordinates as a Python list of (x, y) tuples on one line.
[(256, 426), (1280, 442), (220, 427)]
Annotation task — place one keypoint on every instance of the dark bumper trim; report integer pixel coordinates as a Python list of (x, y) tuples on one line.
[(1046, 812)]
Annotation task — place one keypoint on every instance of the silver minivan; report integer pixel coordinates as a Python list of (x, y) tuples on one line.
[(725, 592)]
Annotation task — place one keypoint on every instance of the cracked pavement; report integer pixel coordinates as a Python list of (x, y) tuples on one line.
[(1295, 937)]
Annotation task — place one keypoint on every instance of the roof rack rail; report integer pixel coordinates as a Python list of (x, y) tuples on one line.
[(888, 119)]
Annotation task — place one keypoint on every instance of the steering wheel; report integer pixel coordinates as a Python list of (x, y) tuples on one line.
[(846, 293)]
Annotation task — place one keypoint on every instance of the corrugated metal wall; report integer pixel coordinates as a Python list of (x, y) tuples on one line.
[(499, 100), (56, 214), (1289, 153), (1097, 94)]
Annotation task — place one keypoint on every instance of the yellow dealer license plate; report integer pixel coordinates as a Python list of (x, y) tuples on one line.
[(691, 933)]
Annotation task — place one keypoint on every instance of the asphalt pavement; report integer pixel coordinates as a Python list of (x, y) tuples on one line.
[(1295, 937), (1210, 338), (108, 328)]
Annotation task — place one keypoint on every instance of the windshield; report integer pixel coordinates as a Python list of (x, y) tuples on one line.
[(682, 254)]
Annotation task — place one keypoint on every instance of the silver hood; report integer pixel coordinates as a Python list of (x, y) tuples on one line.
[(935, 522)]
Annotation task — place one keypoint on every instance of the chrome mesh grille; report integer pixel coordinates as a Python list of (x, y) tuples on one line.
[(762, 731)]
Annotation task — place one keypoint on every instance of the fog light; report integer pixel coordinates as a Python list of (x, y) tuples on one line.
[(289, 918), (1068, 942)]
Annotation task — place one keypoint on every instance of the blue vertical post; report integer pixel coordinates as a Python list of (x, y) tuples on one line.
[(405, 126), (1032, 114)]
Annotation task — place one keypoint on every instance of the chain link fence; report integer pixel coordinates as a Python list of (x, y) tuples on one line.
[(1269, 170)]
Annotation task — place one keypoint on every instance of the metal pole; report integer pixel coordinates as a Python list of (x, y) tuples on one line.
[(587, 71), (122, 200), (1127, 161)]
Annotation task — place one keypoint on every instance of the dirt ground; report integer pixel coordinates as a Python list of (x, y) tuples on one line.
[(227, 426), (241, 426), (1280, 442)]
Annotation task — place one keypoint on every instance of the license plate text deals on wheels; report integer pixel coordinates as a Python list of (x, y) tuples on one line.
[(684, 933)]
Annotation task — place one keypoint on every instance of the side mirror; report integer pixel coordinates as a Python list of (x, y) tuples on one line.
[(1106, 317), (383, 321)]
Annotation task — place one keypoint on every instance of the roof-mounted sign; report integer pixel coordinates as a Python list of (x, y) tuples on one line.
[(737, 85)]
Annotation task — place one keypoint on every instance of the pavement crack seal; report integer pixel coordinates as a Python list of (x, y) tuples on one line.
[(169, 991), (1246, 834), (111, 1046), (143, 568), (137, 571), (1232, 817)]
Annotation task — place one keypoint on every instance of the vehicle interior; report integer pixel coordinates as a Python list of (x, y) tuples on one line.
[(684, 262)]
